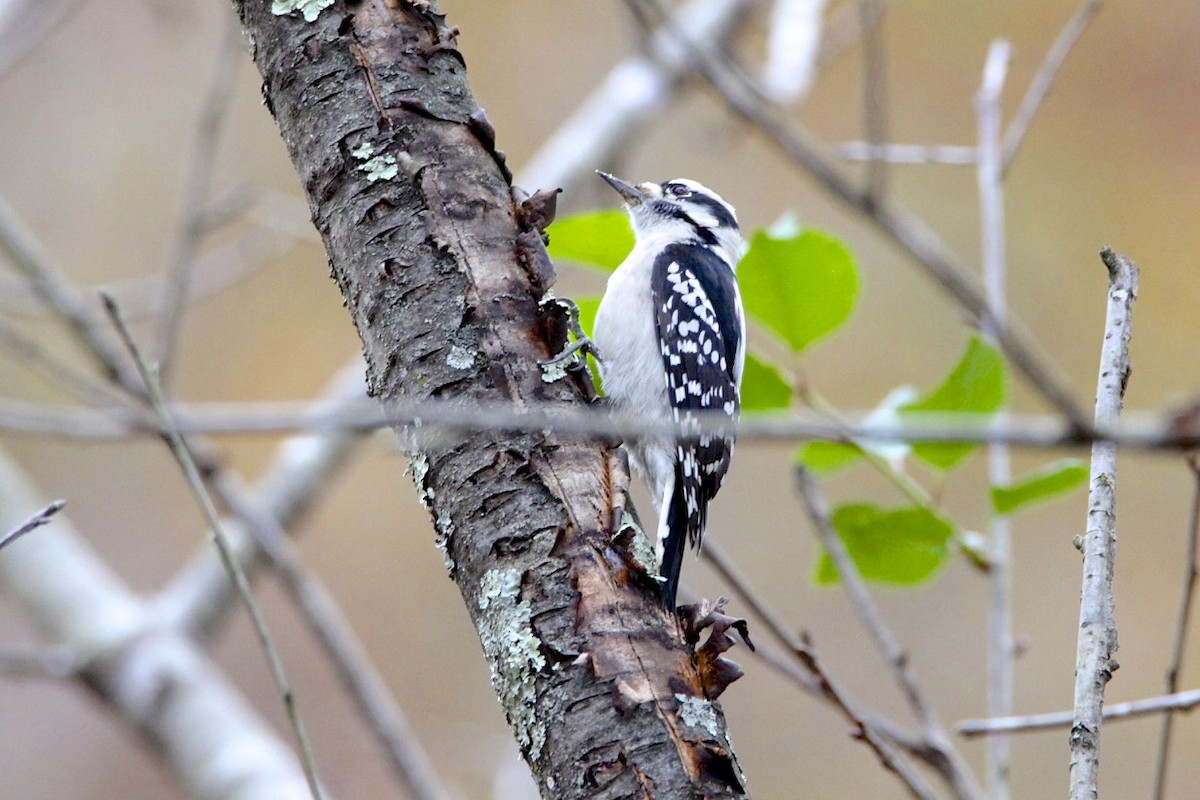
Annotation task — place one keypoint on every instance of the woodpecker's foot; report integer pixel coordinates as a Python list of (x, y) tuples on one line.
[(716, 672), (574, 354)]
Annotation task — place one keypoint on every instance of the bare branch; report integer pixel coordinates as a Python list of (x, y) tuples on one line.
[(952, 767), (187, 463), (33, 523), (874, 93), (437, 419), (19, 243), (1044, 79), (917, 786), (152, 678), (906, 153), (994, 258), (1182, 701), (1097, 642), (912, 234), (1182, 624), (196, 188), (634, 90)]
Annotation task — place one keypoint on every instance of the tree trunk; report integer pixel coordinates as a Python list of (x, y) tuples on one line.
[(442, 272)]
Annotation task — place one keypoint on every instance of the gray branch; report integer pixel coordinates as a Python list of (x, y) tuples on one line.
[(1094, 664)]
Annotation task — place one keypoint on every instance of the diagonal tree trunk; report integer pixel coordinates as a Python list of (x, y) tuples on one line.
[(442, 272)]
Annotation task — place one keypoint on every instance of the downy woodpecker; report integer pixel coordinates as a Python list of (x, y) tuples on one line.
[(673, 338)]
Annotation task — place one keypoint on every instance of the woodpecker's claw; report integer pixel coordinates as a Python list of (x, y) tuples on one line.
[(575, 353)]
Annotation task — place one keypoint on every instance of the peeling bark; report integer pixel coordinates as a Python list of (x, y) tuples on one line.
[(442, 274)]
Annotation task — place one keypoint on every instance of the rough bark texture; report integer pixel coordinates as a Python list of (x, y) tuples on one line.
[(442, 273)]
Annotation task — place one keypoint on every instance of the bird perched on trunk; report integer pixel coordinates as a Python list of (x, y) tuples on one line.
[(672, 335)]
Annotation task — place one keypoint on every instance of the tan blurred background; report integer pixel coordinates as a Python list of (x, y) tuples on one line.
[(95, 124)]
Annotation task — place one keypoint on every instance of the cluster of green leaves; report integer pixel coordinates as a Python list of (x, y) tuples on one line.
[(800, 288)]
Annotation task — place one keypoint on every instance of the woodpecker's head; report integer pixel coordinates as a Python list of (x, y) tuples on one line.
[(680, 210)]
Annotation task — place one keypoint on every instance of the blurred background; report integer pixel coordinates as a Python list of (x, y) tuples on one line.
[(97, 121)]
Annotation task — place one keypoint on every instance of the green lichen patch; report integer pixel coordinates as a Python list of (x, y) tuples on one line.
[(506, 632), (696, 712), (311, 9), (376, 167), (460, 357)]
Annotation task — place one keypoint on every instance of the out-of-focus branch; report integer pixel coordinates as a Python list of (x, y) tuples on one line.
[(152, 678), (1182, 624), (907, 231), (906, 153), (437, 419), (187, 463), (1001, 649), (634, 90), (1097, 641), (1044, 79), (874, 93), (196, 188), (883, 748), (950, 765)]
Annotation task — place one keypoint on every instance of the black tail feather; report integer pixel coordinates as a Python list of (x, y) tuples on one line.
[(674, 547)]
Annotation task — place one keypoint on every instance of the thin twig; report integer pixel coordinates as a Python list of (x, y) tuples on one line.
[(715, 556), (196, 186), (361, 678), (801, 674), (19, 243), (952, 767), (906, 153), (183, 706), (994, 258), (270, 234), (874, 93), (907, 231), (886, 751), (635, 90), (1044, 79), (58, 373), (33, 523), (1097, 640), (1181, 701), (1182, 624), (1152, 432), (187, 463)]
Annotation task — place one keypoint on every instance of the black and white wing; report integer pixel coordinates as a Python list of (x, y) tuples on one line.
[(700, 327)]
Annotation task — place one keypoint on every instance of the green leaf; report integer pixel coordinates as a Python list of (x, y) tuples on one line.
[(825, 458), (599, 239), (588, 306), (1049, 481), (903, 546), (763, 386), (801, 287), (974, 386)]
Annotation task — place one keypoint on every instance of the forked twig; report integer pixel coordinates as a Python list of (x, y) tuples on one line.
[(952, 766)]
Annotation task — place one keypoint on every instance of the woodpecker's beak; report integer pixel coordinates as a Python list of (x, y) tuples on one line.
[(632, 195)]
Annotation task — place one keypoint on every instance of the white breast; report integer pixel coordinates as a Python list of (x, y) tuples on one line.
[(626, 335)]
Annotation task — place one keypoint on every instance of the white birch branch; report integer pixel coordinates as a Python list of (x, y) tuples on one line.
[(157, 681)]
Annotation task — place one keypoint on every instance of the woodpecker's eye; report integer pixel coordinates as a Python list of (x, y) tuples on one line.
[(678, 190)]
